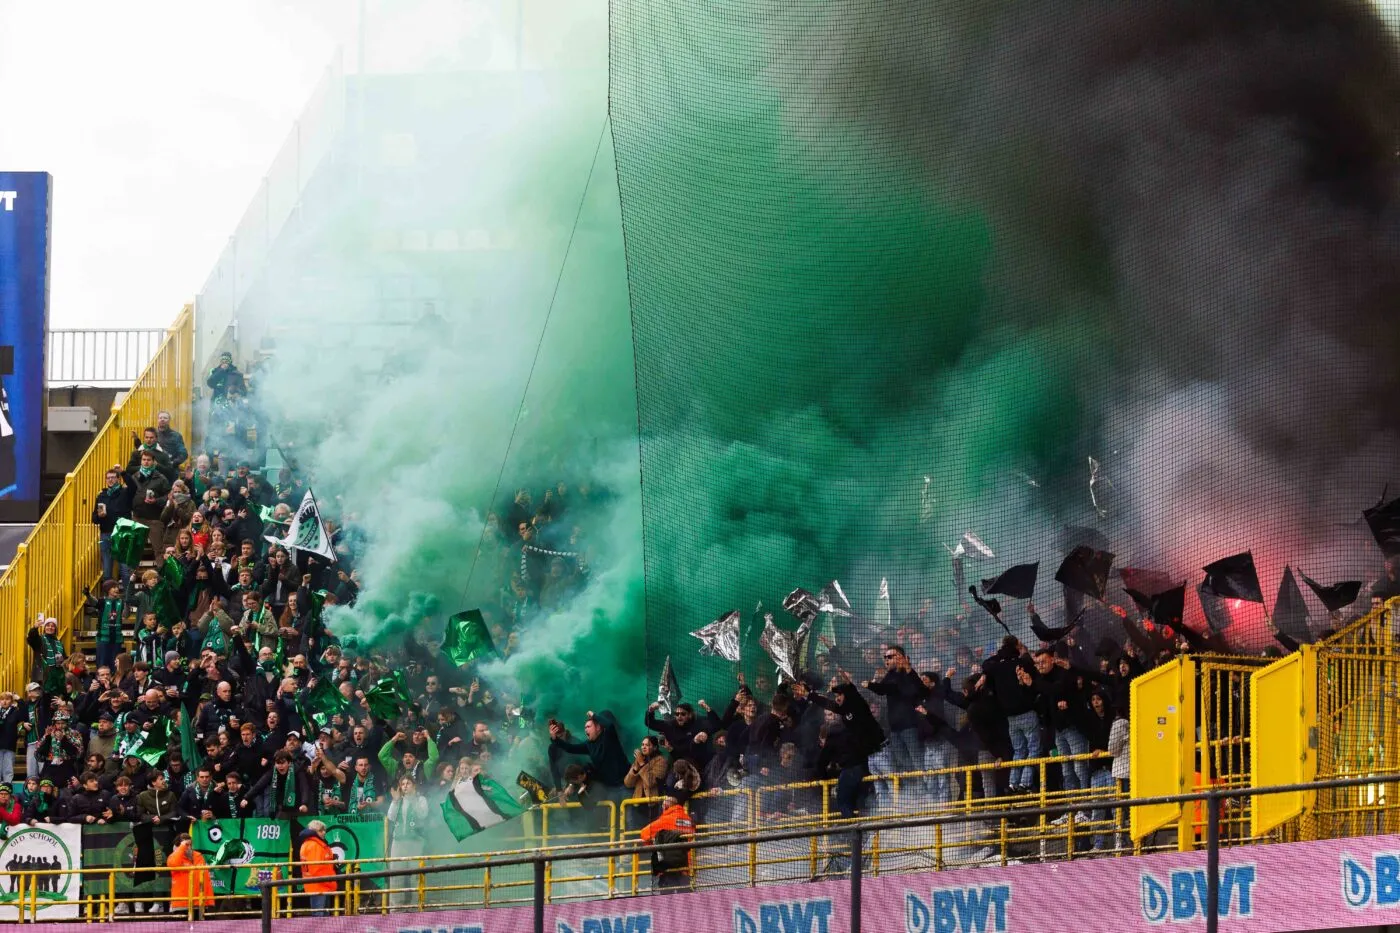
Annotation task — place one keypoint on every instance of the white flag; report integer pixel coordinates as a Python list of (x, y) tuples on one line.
[(307, 532)]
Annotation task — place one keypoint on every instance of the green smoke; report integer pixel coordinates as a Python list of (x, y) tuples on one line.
[(456, 327), (816, 332)]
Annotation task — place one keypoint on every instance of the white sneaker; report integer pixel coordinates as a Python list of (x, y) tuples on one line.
[(1062, 819), (139, 907), (157, 908), (122, 909)]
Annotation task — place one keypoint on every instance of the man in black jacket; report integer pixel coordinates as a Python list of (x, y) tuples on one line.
[(682, 731), (112, 503), (1008, 674), (604, 750), (903, 691)]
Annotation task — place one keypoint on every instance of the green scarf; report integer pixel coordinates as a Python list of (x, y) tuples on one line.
[(109, 628), (289, 790), (361, 790), (145, 471), (334, 790), (53, 650)]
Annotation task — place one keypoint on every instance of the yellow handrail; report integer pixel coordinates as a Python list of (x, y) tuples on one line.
[(60, 555)]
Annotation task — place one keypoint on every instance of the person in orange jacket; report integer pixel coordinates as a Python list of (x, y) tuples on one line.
[(671, 869), (191, 888), (317, 861)]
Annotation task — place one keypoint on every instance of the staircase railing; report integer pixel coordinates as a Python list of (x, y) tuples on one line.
[(60, 556)]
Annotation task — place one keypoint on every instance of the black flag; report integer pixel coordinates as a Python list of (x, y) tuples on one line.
[(992, 606), (1384, 521), (1168, 607), (1290, 612), (1233, 577), (1017, 582), (1217, 615), (1143, 585), (1086, 570), (1338, 595)]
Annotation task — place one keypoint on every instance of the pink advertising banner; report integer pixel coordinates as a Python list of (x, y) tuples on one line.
[(1295, 887)]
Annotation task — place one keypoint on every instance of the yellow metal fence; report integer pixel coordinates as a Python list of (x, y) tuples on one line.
[(60, 556)]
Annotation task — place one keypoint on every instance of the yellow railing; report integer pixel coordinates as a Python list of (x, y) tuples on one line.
[(60, 555)]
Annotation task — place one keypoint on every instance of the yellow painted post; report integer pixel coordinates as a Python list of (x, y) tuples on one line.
[(423, 885), (486, 886), (612, 839), (21, 565), (753, 827)]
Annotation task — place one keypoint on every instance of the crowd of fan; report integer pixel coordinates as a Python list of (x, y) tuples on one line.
[(248, 642)]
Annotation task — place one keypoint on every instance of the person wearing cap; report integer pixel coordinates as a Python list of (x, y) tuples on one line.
[(48, 653), (222, 378), (11, 812), (43, 806), (59, 751)]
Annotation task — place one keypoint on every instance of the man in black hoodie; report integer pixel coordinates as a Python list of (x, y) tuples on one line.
[(1008, 674), (852, 734)]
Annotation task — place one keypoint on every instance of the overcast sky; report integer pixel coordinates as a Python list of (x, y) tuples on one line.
[(158, 120)]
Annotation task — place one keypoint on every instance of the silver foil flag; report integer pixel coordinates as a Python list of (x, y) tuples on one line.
[(971, 546), (720, 639), (833, 599), (668, 692), (883, 616), (1095, 482), (801, 605), (787, 649)]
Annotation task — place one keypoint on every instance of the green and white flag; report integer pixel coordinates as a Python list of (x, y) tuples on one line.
[(307, 532), (478, 804), (467, 638)]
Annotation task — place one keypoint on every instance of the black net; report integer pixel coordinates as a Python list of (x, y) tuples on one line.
[(922, 292)]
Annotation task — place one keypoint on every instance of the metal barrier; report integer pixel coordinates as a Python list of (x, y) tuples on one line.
[(90, 357), (860, 836), (60, 555), (1356, 734)]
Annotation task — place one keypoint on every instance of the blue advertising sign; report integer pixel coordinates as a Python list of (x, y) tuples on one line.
[(25, 201)]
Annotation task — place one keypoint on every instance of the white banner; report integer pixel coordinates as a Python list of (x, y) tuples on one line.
[(53, 854)]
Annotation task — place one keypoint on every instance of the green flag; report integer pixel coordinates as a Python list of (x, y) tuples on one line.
[(128, 541), (467, 638), (478, 804), (214, 639), (163, 603), (152, 744), (388, 697), (323, 702), (173, 573), (189, 748)]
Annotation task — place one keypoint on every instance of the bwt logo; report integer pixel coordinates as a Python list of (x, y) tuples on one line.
[(1183, 897), (7, 198), (792, 917), (1377, 885), (632, 923), (958, 910)]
